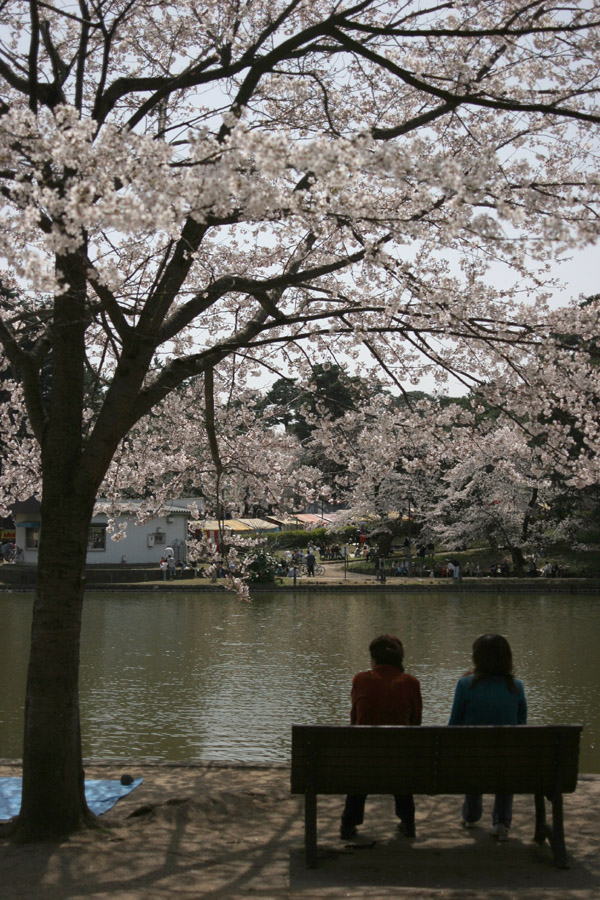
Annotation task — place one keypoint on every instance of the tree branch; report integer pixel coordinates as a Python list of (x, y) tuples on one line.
[(456, 99)]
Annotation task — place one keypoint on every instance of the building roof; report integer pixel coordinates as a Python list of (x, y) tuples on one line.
[(238, 525), (258, 524), (211, 525), (284, 520), (314, 519), (131, 507)]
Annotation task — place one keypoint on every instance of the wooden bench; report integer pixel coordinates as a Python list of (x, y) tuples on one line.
[(481, 759)]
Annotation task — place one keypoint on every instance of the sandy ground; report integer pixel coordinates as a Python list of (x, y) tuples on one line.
[(208, 832)]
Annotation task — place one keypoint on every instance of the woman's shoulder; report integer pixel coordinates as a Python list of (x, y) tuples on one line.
[(361, 676), (406, 681), (405, 678)]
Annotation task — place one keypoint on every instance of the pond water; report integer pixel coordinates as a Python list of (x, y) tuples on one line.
[(206, 677)]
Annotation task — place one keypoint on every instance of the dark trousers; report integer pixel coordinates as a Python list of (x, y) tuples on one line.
[(354, 809), (501, 813)]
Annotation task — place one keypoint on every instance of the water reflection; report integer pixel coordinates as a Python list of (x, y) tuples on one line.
[(205, 677)]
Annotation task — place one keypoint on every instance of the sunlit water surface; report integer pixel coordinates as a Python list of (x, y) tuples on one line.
[(203, 676)]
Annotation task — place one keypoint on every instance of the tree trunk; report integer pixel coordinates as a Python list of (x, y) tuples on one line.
[(491, 537), (528, 514), (384, 543), (53, 802), (518, 559)]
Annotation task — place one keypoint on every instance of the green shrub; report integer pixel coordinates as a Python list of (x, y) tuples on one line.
[(287, 540), (262, 566)]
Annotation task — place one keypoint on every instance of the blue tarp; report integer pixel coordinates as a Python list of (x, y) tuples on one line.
[(100, 794)]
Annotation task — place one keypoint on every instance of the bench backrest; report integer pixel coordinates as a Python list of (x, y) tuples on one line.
[(383, 759)]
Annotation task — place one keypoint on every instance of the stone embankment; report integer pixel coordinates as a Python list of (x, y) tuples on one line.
[(335, 578)]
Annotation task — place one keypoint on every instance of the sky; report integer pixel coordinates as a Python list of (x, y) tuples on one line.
[(581, 274)]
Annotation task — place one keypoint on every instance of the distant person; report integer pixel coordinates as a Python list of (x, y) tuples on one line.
[(310, 562), (489, 695), (171, 567), (383, 695)]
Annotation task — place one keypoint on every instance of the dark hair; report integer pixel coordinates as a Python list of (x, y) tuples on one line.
[(492, 656), (387, 650)]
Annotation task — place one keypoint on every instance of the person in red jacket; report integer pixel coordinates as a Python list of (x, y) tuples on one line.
[(384, 695)]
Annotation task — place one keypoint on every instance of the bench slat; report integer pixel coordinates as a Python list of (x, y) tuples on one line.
[(435, 759)]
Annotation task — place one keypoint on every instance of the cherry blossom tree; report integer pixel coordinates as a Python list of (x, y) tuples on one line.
[(250, 463), (486, 491), (494, 466), (381, 452), (190, 189), (554, 394)]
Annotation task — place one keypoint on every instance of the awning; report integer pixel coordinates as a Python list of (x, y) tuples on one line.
[(208, 525), (314, 519), (238, 525), (258, 524)]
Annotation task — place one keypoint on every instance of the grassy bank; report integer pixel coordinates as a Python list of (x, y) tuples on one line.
[(483, 561)]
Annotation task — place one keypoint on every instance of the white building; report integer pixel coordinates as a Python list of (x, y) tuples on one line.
[(142, 543)]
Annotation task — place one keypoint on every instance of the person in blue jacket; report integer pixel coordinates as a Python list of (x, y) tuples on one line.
[(489, 695)]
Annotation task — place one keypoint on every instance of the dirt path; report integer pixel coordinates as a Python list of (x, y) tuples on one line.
[(222, 833)]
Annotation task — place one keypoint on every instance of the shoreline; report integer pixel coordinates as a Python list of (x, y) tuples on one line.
[(336, 578), (228, 831), (101, 763), (400, 585)]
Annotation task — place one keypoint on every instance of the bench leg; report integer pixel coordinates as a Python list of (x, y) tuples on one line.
[(557, 834), (541, 828), (310, 830)]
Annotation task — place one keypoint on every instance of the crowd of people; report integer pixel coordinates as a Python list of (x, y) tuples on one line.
[(172, 568), (297, 561), (488, 694), (328, 551)]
